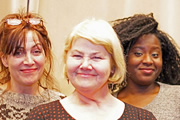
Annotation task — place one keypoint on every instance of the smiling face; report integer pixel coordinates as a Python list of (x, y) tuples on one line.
[(144, 62), (88, 65), (26, 65)]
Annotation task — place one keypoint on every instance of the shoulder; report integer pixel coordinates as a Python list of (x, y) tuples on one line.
[(44, 110), (168, 85), (137, 113), (54, 95), (46, 106), (166, 88)]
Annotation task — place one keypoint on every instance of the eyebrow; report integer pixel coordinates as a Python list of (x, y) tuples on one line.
[(36, 45), (140, 47), (94, 53), (76, 51)]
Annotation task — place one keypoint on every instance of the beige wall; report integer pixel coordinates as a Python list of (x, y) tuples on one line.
[(61, 15)]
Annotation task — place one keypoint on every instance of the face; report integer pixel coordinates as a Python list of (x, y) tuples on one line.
[(27, 64), (144, 60), (88, 65)]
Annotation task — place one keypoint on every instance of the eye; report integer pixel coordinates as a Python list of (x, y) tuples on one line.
[(155, 55), (138, 54), (37, 52), (19, 52), (77, 56), (96, 57)]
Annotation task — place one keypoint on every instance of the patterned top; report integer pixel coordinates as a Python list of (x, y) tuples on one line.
[(15, 106), (55, 111)]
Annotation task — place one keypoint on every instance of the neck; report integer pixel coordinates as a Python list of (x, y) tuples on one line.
[(32, 90), (139, 95), (96, 104), (141, 89), (85, 98)]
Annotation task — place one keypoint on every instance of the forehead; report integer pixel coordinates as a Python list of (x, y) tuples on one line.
[(148, 39), (31, 35), (85, 45), (30, 39)]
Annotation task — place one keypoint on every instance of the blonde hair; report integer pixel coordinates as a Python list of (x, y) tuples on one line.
[(99, 32)]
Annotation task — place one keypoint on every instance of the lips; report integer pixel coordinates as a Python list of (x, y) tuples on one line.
[(29, 70), (86, 74), (147, 70)]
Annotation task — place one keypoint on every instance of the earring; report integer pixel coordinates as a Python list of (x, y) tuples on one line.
[(68, 80), (112, 73)]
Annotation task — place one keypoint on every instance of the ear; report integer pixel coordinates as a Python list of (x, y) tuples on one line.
[(4, 60), (112, 70)]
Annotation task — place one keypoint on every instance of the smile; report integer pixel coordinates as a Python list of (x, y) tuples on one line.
[(147, 70), (86, 75), (29, 70)]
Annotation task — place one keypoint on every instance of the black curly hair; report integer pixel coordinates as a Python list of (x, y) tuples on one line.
[(131, 28)]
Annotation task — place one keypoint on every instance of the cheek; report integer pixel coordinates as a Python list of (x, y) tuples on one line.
[(14, 63), (103, 69), (159, 64), (40, 59), (13, 66), (71, 66), (132, 62)]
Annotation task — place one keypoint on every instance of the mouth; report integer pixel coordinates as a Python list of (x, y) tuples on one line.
[(86, 74), (28, 70), (147, 70)]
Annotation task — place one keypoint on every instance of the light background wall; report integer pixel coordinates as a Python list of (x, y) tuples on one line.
[(61, 15)]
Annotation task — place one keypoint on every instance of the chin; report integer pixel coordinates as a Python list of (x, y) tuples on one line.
[(146, 83), (30, 82)]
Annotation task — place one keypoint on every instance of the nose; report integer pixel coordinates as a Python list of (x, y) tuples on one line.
[(86, 64), (28, 59), (147, 59)]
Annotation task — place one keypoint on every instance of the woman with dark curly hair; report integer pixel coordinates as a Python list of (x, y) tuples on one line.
[(153, 67)]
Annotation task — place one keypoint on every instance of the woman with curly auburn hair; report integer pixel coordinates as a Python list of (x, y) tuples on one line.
[(153, 67), (25, 66)]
